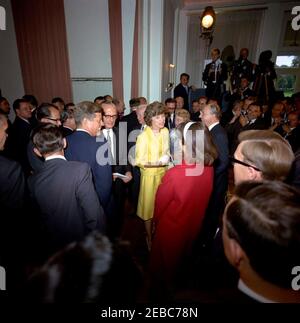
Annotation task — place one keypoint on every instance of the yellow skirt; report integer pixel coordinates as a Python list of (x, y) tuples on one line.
[(150, 180)]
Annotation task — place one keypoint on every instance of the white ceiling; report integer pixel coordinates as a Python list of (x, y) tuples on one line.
[(200, 4)]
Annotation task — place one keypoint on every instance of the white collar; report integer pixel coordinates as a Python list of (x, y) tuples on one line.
[(213, 125), (249, 292), (55, 157), (83, 130), (24, 119), (107, 131)]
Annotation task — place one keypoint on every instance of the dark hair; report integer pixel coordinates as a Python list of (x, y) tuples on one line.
[(92, 270), (69, 106), (3, 118), (17, 103), (58, 99), (184, 74), (170, 100), (48, 139), (246, 49), (257, 104), (31, 99), (134, 102), (210, 151), (154, 109), (264, 218), (44, 110), (2, 98), (100, 98)]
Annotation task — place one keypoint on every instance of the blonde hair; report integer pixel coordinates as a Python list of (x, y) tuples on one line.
[(268, 151), (183, 113)]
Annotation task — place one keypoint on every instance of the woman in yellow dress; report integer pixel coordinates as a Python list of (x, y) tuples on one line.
[(152, 156)]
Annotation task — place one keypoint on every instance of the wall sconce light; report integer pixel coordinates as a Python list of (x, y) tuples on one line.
[(207, 23), (171, 78)]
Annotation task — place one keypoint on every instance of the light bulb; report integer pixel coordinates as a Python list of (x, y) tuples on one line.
[(207, 21)]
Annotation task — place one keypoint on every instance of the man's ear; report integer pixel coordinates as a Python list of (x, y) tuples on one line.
[(254, 175), (37, 152), (236, 252), (65, 143)]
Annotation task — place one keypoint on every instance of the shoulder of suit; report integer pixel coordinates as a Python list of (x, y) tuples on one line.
[(9, 164)]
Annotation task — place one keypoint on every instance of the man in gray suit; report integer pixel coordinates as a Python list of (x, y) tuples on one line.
[(63, 191)]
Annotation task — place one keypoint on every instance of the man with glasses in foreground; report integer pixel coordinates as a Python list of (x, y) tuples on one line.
[(261, 155), (122, 172), (46, 113)]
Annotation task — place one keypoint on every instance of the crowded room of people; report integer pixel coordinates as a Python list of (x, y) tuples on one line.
[(150, 151)]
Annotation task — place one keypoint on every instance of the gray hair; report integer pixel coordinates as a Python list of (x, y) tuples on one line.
[(215, 110)]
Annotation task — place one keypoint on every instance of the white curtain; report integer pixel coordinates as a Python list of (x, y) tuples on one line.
[(237, 28)]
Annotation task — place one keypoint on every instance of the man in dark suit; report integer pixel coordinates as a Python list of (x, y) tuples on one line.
[(214, 75), (19, 135), (136, 174), (253, 119), (46, 113), (84, 145), (170, 118), (117, 142), (261, 240), (13, 217), (292, 130), (242, 68), (63, 192), (211, 115), (131, 118), (12, 181), (182, 89)]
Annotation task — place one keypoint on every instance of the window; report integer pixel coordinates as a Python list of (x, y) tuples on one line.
[(287, 69), (288, 61)]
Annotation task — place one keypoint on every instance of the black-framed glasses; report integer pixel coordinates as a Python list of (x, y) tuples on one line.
[(53, 119), (237, 161), (110, 116)]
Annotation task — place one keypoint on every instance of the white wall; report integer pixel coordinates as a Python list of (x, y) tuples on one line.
[(183, 20), (168, 41), (151, 49), (128, 19), (87, 23), (11, 82)]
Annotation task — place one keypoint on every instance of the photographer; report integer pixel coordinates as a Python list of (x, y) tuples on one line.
[(214, 75), (264, 80)]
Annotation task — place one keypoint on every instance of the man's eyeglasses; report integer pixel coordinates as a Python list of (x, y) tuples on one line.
[(110, 116), (236, 161), (53, 119)]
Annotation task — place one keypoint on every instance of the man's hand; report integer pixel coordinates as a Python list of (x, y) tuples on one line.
[(128, 178)]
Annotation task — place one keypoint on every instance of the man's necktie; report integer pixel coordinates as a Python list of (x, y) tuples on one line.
[(110, 144)]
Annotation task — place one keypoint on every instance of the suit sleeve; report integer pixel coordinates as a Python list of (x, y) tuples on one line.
[(224, 74), (93, 214), (222, 146), (164, 197), (205, 74)]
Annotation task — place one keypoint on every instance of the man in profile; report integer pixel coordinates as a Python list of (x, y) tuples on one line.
[(183, 89), (261, 155), (83, 146), (262, 241)]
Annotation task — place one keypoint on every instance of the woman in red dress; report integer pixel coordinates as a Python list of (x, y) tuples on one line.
[(180, 204)]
